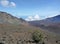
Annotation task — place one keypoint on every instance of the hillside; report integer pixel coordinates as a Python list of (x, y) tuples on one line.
[(6, 18), (17, 31), (12, 34), (51, 24)]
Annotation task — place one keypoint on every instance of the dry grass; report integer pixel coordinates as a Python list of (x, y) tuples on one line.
[(14, 34)]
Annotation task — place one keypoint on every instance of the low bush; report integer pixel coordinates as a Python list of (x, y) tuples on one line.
[(37, 36)]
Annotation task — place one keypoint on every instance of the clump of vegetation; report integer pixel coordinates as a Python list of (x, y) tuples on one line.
[(37, 36)]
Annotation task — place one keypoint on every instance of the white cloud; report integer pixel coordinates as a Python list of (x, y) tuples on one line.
[(32, 18), (12, 4), (4, 2), (36, 17), (7, 3), (29, 18)]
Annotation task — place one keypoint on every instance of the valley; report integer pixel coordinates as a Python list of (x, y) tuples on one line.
[(19, 31)]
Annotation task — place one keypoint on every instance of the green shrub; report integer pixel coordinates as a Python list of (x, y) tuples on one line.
[(37, 36)]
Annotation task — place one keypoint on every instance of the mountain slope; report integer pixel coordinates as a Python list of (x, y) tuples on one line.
[(51, 24), (6, 18), (14, 31), (19, 34), (51, 20)]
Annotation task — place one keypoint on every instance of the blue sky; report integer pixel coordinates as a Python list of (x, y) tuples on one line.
[(31, 8)]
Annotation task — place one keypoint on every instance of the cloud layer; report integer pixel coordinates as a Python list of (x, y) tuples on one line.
[(7, 3), (32, 18)]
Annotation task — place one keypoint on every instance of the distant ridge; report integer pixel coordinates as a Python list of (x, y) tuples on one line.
[(55, 19), (51, 24)]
